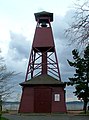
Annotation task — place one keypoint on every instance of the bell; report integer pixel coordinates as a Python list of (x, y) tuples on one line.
[(44, 24)]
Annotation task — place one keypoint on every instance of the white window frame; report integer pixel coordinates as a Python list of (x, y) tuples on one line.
[(56, 97)]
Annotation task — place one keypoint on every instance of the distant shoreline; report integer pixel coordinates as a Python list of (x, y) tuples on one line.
[(17, 102), (72, 105)]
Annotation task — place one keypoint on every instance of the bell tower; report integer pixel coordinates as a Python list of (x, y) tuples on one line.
[(43, 91), (43, 58)]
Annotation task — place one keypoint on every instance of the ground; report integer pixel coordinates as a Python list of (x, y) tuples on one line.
[(71, 115)]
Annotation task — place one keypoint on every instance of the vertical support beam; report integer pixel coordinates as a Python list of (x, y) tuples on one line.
[(28, 67), (31, 66), (57, 64), (33, 61), (44, 63)]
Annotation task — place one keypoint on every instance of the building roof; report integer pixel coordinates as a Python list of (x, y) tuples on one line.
[(43, 80), (44, 14)]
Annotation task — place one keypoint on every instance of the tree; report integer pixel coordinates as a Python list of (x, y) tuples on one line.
[(78, 31), (5, 85), (81, 75)]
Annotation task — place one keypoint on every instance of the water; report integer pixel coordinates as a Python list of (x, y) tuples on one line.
[(10, 106), (75, 105)]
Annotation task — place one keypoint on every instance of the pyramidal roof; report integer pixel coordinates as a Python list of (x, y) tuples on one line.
[(43, 80), (44, 14)]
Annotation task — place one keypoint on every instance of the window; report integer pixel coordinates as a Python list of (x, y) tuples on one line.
[(56, 97)]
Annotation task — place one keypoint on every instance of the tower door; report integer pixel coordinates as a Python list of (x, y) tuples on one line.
[(42, 100)]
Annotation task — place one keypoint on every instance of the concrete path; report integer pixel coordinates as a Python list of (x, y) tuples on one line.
[(46, 117)]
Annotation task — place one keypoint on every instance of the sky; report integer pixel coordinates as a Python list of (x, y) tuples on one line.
[(17, 27)]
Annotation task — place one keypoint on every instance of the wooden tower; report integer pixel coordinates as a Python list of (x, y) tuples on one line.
[(43, 91)]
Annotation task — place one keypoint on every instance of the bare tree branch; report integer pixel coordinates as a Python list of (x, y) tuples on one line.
[(6, 86), (78, 31)]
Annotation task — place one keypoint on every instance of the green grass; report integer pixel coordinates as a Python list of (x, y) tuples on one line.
[(2, 118), (87, 113)]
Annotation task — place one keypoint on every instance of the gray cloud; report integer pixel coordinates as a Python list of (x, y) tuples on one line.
[(19, 46), (58, 27), (61, 23)]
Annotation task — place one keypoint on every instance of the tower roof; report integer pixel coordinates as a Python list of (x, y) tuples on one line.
[(43, 80), (43, 14)]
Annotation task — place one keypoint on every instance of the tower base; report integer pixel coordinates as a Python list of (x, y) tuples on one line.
[(48, 97)]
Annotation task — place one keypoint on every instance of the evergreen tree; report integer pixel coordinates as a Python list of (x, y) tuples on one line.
[(81, 76)]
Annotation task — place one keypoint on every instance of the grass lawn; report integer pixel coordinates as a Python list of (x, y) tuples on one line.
[(87, 113), (3, 118)]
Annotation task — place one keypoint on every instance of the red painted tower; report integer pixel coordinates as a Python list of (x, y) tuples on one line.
[(41, 92)]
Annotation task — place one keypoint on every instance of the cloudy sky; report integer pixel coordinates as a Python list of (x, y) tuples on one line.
[(17, 27)]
